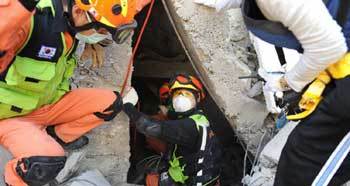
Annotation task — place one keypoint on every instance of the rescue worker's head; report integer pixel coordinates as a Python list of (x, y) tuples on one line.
[(186, 92), (94, 20)]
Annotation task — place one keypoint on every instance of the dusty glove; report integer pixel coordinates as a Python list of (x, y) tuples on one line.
[(220, 5), (95, 52), (270, 100), (131, 97), (273, 88)]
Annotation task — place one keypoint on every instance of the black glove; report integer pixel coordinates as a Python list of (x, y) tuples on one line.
[(289, 101), (113, 110), (144, 124)]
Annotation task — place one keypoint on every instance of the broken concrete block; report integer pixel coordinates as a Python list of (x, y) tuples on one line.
[(5, 157), (255, 90), (261, 176), (272, 151), (88, 178), (71, 166)]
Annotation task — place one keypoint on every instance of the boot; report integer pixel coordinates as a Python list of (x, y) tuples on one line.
[(74, 145)]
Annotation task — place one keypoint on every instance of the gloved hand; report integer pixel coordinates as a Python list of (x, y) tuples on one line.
[(273, 88), (96, 52), (270, 100), (131, 97), (220, 5)]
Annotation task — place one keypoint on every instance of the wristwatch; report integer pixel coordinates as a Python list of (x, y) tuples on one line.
[(29, 4)]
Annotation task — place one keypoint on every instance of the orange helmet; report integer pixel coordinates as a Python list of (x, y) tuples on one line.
[(117, 16), (182, 81)]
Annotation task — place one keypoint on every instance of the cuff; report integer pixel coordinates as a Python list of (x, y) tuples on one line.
[(131, 111), (296, 85)]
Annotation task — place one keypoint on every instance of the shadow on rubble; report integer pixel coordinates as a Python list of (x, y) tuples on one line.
[(159, 57)]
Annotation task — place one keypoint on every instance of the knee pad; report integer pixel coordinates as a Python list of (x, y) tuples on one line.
[(40, 170)]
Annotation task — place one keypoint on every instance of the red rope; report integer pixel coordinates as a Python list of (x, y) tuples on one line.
[(131, 62)]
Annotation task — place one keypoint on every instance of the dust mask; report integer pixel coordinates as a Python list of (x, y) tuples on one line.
[(93, 38), (183, 103)]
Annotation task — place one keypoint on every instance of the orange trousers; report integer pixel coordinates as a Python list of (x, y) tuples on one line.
[(72, 117)]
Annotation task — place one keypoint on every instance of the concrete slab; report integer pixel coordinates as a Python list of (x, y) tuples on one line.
[(5, 156), (217, 44), (272, 151), (88, 178)]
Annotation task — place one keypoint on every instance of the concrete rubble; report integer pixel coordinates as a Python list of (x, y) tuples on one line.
[(263, 172), (221, 43), (88, 178)]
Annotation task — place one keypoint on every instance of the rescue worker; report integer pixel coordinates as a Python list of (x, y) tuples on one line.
[(193, 152), (320, 30), (37, 44)]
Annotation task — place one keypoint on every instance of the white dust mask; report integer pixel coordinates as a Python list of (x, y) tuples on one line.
[(91, 39), (183, 103)]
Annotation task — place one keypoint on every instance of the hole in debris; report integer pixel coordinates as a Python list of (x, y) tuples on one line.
[(159, 57)]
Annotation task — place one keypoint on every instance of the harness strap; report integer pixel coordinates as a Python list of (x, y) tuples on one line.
[(343, 12)]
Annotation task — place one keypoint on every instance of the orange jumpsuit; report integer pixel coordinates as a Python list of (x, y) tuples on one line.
[(72, 116)]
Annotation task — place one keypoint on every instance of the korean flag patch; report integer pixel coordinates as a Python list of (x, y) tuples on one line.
[(47, 52)]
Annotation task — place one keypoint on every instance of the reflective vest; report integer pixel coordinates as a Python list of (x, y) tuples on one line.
[(277, 34), (40, 72), (202, 167)]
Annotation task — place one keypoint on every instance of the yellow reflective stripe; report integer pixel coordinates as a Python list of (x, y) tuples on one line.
[(124, 4)]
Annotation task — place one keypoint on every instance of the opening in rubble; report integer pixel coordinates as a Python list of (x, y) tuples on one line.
[(158, 58)]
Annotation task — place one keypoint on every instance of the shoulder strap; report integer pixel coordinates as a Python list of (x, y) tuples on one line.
[(200, 120), (343, 12), (46, 4)]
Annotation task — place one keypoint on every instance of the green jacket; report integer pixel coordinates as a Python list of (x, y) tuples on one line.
[(40, 72)]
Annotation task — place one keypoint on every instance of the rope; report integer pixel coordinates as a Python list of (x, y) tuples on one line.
[(138, 41)]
